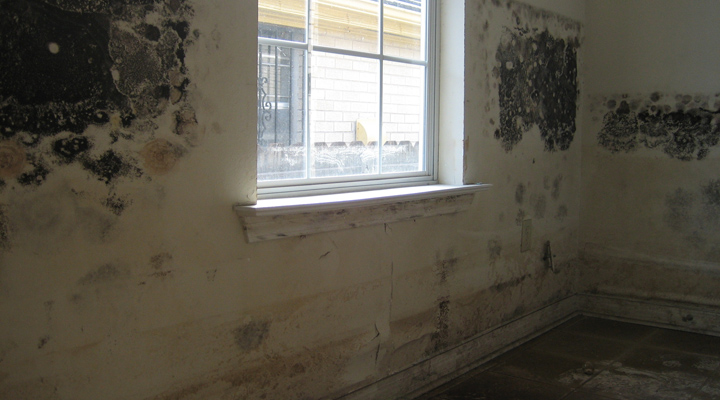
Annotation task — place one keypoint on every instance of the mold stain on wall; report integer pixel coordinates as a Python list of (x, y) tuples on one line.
[(86, 84), (538, 86), (694, 215), (681, 126)]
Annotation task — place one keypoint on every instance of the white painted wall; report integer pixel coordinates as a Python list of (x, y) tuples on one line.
[(167, 301), (649, 227)]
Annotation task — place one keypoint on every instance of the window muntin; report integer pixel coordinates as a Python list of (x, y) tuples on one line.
[(339, 111)]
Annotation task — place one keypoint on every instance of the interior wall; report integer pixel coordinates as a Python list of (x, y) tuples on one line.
[(651, 211), (123, 269)]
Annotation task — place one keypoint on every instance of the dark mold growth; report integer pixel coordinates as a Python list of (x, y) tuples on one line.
[(70, 148), (35, 177), (520, 193), (116, 204), (540, 205), (619, 130), (520, 217), (110, 166), (105, 273), (679, 207), (4, 229), (70, 64), (555, 193), (494, 250), (444, 267), (249, 336), (562, 212), (442, 326), (711, 200), (43, 341), (511, 283), (711, 193), (538, 85), (158, 261), (686, 132)]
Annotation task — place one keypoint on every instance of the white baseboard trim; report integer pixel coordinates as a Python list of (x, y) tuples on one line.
[(442, 368), (660, 313)]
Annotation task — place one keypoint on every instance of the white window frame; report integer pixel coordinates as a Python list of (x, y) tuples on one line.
[(356, 183)]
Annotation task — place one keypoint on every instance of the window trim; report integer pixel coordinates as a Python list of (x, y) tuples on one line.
[(359, 183)]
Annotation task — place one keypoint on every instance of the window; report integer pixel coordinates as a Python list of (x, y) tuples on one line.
[(345, 95)]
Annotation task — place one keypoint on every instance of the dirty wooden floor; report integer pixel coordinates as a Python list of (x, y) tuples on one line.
[(596, 359)]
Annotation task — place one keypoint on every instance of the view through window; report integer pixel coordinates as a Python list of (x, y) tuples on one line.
[(344, 88)]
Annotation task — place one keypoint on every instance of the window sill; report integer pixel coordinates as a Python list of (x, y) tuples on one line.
[(299, 216)]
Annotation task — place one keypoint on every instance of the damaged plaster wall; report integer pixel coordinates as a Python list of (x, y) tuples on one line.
[(522, 91), (651, 217), (123, 269)]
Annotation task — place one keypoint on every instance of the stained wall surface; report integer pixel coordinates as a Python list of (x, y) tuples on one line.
[(128, 134), (651, 211)]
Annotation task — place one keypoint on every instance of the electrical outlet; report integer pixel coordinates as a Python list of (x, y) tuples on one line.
[(526, 236)]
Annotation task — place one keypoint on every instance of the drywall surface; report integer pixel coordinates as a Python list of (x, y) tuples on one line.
[(124, 273), (651, 216)]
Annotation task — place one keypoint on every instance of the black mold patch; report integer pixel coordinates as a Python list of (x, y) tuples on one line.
[(70, 64), (562, 212), (4, 229), (43, 341), (679, 209), (116, 204), (520, 193), (251, 335), (555, 193), (538, 85), (685, 132), (110, 166), (442, 326), (494, 250), (35, 177), (444, 267), (69, 149), (619, 132), (539, 206), (711, 193), (104, 274), (510, 284)]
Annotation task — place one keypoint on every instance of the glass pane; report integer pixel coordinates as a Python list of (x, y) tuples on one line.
[(282, 19), (280, 120), (346, 24), (344, 115), (403, 117), (403, 30)]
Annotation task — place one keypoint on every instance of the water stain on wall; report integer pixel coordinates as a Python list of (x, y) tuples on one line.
[(538, 86), (685, 130)]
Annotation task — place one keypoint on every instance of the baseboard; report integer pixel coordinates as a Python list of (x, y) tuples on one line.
[(664, 314), (429, 374)]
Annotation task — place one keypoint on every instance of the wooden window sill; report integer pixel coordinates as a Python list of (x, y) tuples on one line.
[(298, 216)]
